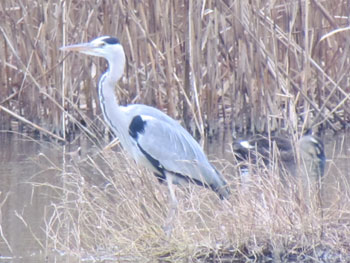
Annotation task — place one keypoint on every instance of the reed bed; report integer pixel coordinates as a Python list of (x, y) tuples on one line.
[(250, 66), (108, 209)]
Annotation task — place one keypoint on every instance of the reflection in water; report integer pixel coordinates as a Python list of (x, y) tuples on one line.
[(24, 161), (28, 169), (337, 173), (23, 212)]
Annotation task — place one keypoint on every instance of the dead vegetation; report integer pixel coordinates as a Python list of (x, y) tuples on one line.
[(254, 66), (107, 206)]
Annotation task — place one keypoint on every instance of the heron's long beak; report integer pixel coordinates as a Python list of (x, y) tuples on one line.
[(83, 47)]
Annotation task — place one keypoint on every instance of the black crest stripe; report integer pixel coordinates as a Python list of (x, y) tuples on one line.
[(111, 40)]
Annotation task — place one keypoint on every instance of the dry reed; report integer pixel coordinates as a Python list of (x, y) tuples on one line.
[(107, 207), (252, 66)]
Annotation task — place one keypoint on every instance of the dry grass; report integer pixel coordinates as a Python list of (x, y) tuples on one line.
[(108, 208), (254, 66)]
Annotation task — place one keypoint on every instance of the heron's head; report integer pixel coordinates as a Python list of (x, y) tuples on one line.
[(106, 47)]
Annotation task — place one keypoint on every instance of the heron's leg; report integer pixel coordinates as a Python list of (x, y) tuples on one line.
[(173, 206)]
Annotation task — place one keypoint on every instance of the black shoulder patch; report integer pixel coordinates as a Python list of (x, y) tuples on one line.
[(111, 40), (137, 126)]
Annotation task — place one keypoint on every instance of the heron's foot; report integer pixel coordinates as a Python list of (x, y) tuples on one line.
[(168, 229), (169, 222)]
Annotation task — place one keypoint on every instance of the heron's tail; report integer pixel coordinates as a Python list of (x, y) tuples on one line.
[(220, 186)]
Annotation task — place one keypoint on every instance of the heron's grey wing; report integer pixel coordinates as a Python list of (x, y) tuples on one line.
[(175, 149), (145, 110)]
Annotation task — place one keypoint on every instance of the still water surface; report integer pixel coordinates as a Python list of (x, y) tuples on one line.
[(22, 215), (24, 162), (23, 207)]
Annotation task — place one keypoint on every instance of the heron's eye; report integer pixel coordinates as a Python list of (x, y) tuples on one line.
[(102, 44)]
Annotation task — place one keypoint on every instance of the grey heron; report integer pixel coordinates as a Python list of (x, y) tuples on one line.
[(151, 137)]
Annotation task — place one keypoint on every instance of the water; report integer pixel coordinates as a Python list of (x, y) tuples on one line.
[(22, 215), (28, 169), (23, 207)]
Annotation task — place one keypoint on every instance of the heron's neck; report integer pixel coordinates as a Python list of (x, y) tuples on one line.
[(107, 85), (112, 112), (115, 70)]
